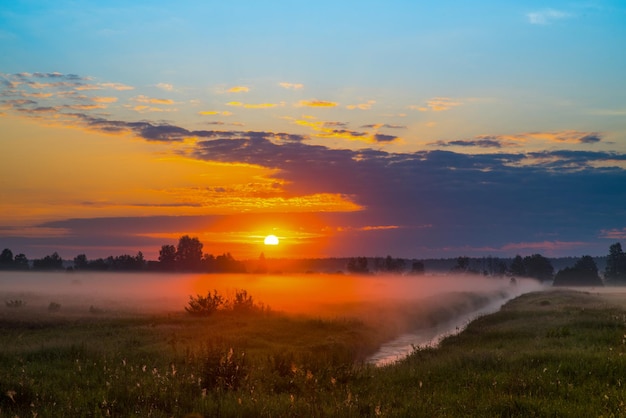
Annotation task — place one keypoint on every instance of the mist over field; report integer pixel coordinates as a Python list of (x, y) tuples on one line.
[(412, 310)]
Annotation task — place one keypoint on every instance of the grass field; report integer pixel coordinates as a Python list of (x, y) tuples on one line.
[(553, 353)]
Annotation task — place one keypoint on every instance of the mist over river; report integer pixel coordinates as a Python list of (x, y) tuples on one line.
[(413, 310)]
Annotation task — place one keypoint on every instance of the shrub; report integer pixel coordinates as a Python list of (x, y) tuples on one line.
[(54, 307), (243, 302), (204, 305), (15, 303)]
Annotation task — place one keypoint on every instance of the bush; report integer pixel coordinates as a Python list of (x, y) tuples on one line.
[(15, 303), (54, 307), (243, 302), (204, 305)]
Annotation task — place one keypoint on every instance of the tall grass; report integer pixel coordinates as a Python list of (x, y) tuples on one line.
[(545, 354)]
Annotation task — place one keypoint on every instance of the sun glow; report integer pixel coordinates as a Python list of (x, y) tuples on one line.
[(271, 240)]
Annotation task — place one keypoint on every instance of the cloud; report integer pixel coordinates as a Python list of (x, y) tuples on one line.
[(362, 106), (115, 86), (239, 89), (546, 16), (316, 103), (255, 106), (105, 99), (437, 104), (469, 200), (516, 140), (566, 136), (165, 86), (329, 130), (85, 106), (215, 112), (615, 234), (291, 86), (383, 125), (481, 143), (145, 99)]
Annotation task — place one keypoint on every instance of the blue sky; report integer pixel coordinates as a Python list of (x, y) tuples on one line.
[(416, 129)]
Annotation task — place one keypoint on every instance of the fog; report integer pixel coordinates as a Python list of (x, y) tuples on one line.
[(408, 310)]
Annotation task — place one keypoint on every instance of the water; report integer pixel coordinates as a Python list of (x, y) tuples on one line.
[(405, 344)]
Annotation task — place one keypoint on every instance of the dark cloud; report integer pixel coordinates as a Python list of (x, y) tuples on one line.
[(482, 143), (590, 139), (384, 138), (383, 125)]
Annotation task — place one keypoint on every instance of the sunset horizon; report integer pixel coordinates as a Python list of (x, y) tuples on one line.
[(351, 129)]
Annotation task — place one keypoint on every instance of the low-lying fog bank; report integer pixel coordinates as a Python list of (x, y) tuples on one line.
[(405, 310)]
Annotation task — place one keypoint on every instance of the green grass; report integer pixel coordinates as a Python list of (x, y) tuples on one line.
[(558, 353)]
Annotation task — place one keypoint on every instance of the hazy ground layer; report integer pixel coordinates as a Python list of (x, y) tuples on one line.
[(551, 353)]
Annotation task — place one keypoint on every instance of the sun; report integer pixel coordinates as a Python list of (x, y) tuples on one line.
[(271, 240)]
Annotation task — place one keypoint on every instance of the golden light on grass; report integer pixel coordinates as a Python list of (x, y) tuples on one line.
[(271, 240)]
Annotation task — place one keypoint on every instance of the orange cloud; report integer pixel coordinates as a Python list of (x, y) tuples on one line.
[(437, 104), (362, 106), (145, 99), (85, 106), (330, 130), (239, 89), (105, 99), (144, 108), (114, 86), (254, 106), (214, 112), (316, 103)]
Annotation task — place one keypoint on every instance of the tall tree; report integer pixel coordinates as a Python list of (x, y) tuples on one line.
[(167, 257), (615, 271), (6, 259), (49, 262), (517, 267), (189, 253), (584, 273), (538, 267), (81, 262)]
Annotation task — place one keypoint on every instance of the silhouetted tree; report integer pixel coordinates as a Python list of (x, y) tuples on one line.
[(81, 262), (517, 267), (20, 262), (358, 265), (584, 273), (615, 271), (463, 265), (226, 263), (189, 253), (167, 257), (6, 259), (538, 267), (49, 262), (417, 267)]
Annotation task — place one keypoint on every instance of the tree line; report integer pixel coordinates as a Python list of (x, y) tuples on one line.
[(583, 273), (187, 256)]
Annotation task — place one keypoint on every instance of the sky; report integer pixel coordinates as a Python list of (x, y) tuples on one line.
[(353, 128)]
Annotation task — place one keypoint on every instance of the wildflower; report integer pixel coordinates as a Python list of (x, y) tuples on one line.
[(11, 394)]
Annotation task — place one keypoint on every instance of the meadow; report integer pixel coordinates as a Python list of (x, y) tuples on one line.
[(545, 353)]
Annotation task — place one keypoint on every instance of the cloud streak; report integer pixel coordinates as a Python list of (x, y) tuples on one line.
[(546, 16)]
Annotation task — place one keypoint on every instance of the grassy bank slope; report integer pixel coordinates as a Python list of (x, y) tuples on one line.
[(545, 354)]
